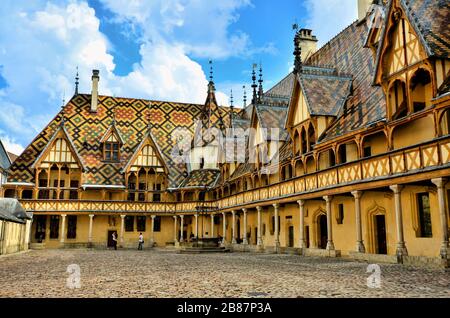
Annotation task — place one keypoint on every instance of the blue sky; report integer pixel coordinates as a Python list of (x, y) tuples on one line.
[(156, 49)]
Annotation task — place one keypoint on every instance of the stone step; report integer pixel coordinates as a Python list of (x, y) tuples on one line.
[(199, 250)]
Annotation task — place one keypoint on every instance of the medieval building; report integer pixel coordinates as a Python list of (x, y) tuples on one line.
[(348, 155)]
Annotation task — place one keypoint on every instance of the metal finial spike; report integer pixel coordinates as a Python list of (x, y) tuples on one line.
[(77, 82), (63, 119), (231, 98), (210, 71), (245, 96)]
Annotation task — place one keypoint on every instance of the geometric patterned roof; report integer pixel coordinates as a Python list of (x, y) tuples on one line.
[(201, 178), (431, 20), (168, 120), (325, 95), (347, 55)]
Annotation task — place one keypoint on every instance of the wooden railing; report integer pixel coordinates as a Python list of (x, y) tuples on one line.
[(427, 156)]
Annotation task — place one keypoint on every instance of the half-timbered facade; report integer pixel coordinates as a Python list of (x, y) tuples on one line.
[(347, 155)]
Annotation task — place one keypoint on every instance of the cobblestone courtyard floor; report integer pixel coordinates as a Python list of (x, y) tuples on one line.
[(160, 273)]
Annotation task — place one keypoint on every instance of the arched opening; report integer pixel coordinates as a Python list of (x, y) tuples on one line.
[(304, 141), (27, 194), (348, 152), (374, 144), (322, 231), (311, 137), (233, 188), (377, 236), (421, 89), (289, 171), (327, 159), (297, 147), (310, 165), (299, 171), (444, 123), (10, 193), (398, 100), (413, 132)]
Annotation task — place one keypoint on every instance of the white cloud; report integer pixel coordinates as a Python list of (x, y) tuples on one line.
[(328, 17), (41, 42), (10, 144)]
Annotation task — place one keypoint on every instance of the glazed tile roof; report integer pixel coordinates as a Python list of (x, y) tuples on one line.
[(168, 122), (431, 20), (346, 54), (272, 117), (243, 169), (283, 88), (5, 160), (325, 95), (201, 178)]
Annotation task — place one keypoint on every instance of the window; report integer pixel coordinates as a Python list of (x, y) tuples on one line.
[(111, 151), (71, 226), (27, 194), (343, 154), (54, 226), (140, 223), (141, 197), (157, 224), (157, 196), (367, 151), (340, 214), (73, 194), (423, 204), (129, 223), (202, 163), (41, 222), (216, 219)]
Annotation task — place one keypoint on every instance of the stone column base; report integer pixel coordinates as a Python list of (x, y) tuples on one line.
[(321, 252)]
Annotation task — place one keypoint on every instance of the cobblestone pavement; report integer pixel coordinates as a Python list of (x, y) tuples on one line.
[(161, 273)]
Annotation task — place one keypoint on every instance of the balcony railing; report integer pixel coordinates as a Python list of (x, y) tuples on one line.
[(424, 157)]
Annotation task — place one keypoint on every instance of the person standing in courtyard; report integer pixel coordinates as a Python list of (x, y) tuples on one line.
[(141, 242), (114, 239)]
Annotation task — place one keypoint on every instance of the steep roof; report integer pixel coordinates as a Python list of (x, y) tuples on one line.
[(431, 20), (347, 55), (202, 178), (85, 128)]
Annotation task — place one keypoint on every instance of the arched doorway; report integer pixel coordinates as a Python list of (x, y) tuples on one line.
[(322, 231), (380, 234)]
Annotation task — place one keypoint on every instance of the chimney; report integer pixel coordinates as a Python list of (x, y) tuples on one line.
[(94, 95), (308, 43), (363, 8)]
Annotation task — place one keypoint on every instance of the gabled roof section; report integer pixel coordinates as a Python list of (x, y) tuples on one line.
[(202, 178), (148, 139), (112, 130), (325, 95), (430, 20), (282, 88), (61, 131), (272, 117)]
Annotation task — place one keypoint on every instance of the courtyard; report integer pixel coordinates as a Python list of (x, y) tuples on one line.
[(164, 273)]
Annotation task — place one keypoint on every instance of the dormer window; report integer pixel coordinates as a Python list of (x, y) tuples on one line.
[(111, 151), (111, 144)]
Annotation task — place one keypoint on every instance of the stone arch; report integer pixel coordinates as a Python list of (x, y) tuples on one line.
[(371, 235), (316, 215)]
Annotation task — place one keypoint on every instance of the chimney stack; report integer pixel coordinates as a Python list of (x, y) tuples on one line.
[(363, 8), (94, 94), (308, 43)]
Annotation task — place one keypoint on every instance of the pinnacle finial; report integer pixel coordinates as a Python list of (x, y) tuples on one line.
[(77, 82), (245, 96), (260, 81), (63, 117), (254, 86), (210, 71), (297, 53), (231, 98)]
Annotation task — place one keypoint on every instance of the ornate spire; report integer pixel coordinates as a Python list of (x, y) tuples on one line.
[(254, 86), (149, 122), (231, 99), (297, 52), (260, 81), (77, 82), (211, 87), (231, 108), (245, 96), (63, 114)]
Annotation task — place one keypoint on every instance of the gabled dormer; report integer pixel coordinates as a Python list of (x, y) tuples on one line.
[(111, 144), (59, 150), (411, 64)]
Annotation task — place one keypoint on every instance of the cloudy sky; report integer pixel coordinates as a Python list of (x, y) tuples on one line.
[(156, 49)]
